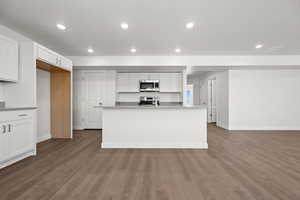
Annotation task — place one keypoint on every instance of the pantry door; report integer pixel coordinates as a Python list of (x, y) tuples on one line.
[(94, 98)]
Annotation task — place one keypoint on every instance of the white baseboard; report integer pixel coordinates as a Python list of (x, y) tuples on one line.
[(264, 128), (156, 145), (221, 126), (44, 137), (77, 127), (17, 158)]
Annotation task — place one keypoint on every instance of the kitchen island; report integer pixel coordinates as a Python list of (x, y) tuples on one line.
[(155, 127)]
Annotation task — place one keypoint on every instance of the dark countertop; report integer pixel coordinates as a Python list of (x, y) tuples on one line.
[(16, 108)]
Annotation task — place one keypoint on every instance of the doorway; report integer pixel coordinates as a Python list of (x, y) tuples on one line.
[(60, 100), (212, 101)]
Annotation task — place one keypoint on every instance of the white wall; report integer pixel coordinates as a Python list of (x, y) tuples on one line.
[(195, 81), (222, 99), (43, 103), (264, 99)]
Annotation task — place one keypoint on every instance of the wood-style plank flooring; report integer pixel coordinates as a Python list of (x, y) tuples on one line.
[(238, 165)]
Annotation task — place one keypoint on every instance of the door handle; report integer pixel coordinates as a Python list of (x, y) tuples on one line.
[(3, 129), (9, 127)]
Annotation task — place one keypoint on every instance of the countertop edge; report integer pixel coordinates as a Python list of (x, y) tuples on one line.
[(17, 108), (155, 108)]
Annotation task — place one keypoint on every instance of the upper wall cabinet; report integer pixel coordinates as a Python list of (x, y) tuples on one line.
[(53, 58), (9, 60), (169, 82)]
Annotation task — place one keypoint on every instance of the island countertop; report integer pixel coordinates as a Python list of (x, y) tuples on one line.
[(155, 107)]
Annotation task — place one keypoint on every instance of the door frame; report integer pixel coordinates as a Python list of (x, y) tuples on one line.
[(212, 97)]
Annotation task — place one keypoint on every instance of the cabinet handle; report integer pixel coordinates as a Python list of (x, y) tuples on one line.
[(3, 129), (9, 128), (22, 115)]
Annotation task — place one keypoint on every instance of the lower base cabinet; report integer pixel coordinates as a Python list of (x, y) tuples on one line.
[(17, 136)]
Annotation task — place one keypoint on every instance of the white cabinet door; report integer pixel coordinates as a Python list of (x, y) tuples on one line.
[(16, 138), (9, 60), (3, 142), (48, 56), (176, 82), (133, 79), (154, 76), (65, 63), (21, 137), (94, 87), (123, 82), (165, 82)]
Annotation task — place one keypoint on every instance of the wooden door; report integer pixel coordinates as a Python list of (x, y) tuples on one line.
[(94, 99)]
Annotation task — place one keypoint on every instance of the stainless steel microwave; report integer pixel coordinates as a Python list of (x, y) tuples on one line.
[(149, 85)]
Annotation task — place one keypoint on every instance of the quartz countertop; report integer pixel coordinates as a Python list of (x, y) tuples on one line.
[(16, 108), (155, 107)]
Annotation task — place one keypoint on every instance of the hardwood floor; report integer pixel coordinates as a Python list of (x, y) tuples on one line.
[(237, 165)]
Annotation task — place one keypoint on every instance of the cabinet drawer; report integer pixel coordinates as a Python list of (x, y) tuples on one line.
[(15, 115)]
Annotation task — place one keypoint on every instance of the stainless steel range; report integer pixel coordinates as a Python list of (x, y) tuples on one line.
[(144, 100)]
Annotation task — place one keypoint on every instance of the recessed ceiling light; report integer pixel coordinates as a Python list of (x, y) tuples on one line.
[(61, 26), (133, 50), (90, 50), (258, 46), (124, 26), (177, 50), (189, 25)]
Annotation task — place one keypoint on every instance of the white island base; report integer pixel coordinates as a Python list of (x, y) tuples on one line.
[(154, 127)]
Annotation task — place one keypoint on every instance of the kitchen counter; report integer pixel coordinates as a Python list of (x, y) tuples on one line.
[(155, 107), (16, 108), (165, 126)]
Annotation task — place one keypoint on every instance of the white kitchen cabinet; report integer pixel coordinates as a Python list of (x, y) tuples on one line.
[(17, 136), (9, 60), (169, 82), (110, 88), (65, 63), (176, 82), (154, 76), (128, 82), (47, 56), (50, 57), (3, 142), (134, 81), (123, 82)]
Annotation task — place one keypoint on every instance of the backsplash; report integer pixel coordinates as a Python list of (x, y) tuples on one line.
[(135, 97)]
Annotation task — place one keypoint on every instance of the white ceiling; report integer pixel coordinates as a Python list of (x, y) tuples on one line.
[(228, 27)]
